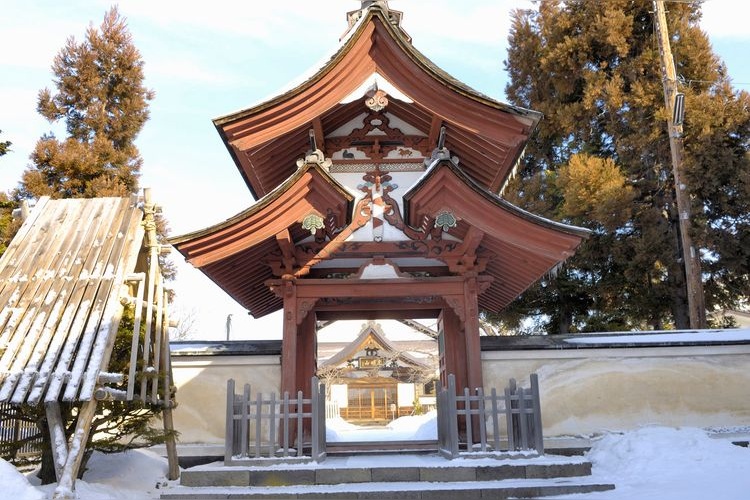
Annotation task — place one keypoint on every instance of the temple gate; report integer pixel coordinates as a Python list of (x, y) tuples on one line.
[(377, 182)]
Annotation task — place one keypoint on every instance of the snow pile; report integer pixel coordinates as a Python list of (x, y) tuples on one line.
[(413, 428), (665, 463), (117, 476), (15, 485), (419, 427)]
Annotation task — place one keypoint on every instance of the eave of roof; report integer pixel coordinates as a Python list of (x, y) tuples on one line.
[(246, 229)]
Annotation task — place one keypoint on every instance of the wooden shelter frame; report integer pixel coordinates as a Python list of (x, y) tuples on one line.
[(65, 281)]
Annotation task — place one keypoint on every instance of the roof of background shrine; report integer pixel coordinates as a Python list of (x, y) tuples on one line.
[(488, 135), (374, 330), (60, 285)]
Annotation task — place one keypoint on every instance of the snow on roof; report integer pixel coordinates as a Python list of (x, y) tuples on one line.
[(664, 336)]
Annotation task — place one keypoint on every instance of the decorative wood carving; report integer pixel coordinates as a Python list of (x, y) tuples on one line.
[(378, 146)]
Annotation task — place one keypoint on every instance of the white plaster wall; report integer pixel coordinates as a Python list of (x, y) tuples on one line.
[(589, 391), (583, 391), (201, 383)]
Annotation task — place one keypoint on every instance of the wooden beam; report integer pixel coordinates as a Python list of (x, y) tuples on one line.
[(76, 449), (318, 133), (286, 245), (437, 122), (57, 437)]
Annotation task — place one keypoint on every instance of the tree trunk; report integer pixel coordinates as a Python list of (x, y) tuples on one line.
[(46, 472)]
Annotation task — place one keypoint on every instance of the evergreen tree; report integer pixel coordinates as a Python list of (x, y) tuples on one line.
[(101, 98), (601, 159)]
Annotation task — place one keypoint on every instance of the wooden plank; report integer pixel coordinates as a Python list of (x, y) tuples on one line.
[(84, 296), (62, 285), (495, 423), (537, 416), (159, 298), (229, 436), (79, 342), (33, 305), (105, 312), (138, 313), (74, 313), (14, 254), (120, 263)]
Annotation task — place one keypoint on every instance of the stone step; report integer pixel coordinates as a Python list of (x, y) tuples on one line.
[(473, 490), (391, 476), (333, 471)]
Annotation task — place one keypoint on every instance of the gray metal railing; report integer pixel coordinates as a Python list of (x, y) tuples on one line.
[(270, 429), (463, 420)]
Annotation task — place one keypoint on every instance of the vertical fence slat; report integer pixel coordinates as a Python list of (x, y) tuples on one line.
[(523, 418), (272, 426), (286, 424), (509, 419), (300, 412), (229, 431), (482, 422), (468, 420), (495, 423), (538, 433), (258, 421)]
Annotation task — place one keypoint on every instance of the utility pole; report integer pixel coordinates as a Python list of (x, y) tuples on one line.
[(690, 257)]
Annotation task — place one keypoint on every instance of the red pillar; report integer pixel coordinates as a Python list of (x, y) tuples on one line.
[(471, 335), (307, 353), (454, 349), (289, 340)]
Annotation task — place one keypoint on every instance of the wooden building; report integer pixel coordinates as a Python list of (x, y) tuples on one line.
[(66, 279), (377, 182), (374, 380)]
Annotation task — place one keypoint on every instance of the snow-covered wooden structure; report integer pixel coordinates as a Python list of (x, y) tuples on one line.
[(66, 279)]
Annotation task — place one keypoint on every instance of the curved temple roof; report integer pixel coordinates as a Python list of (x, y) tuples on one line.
[(266, 139), (510, 247)]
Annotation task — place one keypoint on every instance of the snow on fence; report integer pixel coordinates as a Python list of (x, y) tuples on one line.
[(473, 413), (18, 438), (267, 429)]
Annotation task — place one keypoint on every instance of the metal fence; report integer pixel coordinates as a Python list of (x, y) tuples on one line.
[(270, 429), (465, 421), (19, 439)]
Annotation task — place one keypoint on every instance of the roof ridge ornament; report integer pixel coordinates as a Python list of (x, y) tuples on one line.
[(393, 16)]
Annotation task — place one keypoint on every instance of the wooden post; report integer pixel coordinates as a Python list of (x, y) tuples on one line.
[(57, 437), (691, 259), (66, 484), (289, 339), (229, 436), (471, 332)]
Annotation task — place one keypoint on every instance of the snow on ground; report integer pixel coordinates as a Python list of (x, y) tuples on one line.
[(414, 428), (649, 463)]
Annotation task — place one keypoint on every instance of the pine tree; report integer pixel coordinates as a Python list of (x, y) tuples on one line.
[(102, 100), (593, 69)]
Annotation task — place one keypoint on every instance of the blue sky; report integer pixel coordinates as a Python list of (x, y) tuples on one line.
[(208, 59)]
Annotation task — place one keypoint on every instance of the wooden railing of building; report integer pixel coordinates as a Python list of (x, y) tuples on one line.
[(267, 428), (515, 413)]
